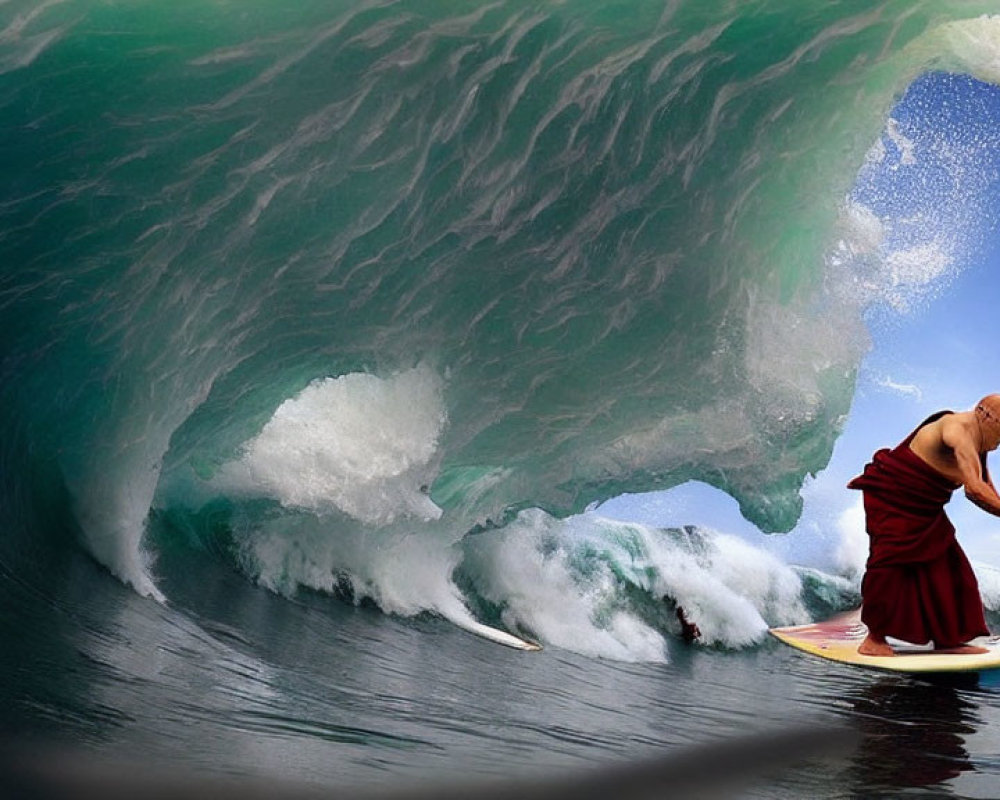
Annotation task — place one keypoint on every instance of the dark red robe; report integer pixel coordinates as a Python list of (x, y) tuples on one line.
[(918, 584)]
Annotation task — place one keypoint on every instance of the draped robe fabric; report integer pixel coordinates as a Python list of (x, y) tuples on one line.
[(918, 583)]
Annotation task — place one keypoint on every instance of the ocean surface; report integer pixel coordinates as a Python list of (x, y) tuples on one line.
[(326, 327)]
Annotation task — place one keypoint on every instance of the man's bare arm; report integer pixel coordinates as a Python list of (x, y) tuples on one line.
[(977, 487)]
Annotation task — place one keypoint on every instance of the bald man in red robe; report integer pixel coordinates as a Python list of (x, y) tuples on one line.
[(918, 583)]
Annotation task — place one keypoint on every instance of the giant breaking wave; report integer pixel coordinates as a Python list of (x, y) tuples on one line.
[(370, 297)]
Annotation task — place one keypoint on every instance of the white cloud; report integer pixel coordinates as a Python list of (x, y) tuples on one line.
[(909, 389)]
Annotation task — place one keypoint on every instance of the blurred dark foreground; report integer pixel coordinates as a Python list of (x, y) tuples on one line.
[(718, 770)]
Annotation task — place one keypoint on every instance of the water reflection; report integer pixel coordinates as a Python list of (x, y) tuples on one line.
[(913, 733)]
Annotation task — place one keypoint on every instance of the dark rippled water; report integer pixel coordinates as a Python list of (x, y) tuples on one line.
[(229, 681)]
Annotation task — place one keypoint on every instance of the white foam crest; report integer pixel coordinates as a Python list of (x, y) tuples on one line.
[(404, 570), (730, 589), (359, 444), (528, 568), (569, 583)]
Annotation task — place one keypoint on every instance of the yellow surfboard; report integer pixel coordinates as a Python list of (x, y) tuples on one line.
[(838, 638)]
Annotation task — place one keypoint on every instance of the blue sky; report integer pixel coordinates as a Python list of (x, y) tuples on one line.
[(933, 182)]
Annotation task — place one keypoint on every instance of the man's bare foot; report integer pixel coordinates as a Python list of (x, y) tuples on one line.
[(874, 647)]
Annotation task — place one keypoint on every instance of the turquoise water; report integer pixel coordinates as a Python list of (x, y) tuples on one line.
[(365, 303)]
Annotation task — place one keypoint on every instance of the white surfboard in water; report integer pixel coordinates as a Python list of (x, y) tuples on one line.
[(501, 637)]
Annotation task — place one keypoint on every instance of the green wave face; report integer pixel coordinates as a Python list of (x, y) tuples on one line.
[(435, 261)]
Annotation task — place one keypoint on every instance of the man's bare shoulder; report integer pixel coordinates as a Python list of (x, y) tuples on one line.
[(956, 430), (937, 442)]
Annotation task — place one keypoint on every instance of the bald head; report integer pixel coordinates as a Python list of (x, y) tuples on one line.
[(988, 417), (989, 408)]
